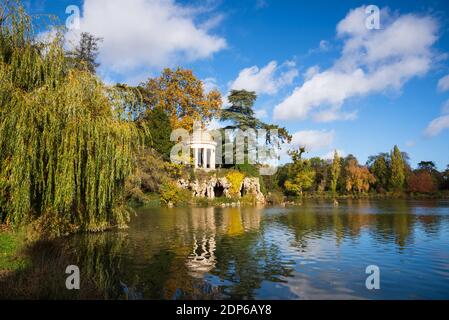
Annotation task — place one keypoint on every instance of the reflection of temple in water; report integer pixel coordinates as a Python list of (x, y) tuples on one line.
[(202, 259), (205, 224)]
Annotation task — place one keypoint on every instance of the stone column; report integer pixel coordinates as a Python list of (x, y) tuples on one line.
[(195, 158), (204, 158), (208, 158), (212, 159)]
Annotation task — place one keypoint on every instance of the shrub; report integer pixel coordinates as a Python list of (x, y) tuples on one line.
[(235, 178), (171, 193)]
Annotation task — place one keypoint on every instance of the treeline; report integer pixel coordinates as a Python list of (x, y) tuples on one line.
[(383, 173)]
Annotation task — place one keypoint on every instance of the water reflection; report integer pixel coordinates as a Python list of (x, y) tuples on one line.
[(313, 251)]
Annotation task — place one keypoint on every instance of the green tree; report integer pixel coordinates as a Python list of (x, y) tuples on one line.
[(379, 167), (84, 56), (321, 169), (301, 175), (241, 113), (427, 166), (335, 171), (240, 116), (159, 126), (397, 170)]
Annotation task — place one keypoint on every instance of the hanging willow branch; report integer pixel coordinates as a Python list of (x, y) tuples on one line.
[(65, 147)]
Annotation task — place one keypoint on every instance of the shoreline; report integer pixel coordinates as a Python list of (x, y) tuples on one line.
[(287, 200)]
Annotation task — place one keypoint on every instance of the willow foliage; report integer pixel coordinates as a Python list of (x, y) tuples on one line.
[(66, 145)]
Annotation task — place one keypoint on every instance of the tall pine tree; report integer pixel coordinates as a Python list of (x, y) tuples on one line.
[(335, 172), (397, 173)]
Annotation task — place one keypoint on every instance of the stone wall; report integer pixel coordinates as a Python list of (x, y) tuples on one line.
[(212, 187)]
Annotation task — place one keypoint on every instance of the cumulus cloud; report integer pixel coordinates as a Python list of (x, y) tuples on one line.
[(261, 113), (371, 61), (313, 140), (437, 126), (266, 80), (443, 84), (146, 34), (311, 72), (210, 84)]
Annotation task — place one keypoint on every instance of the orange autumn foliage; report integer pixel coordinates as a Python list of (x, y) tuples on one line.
[(358, 178), (181, 95)]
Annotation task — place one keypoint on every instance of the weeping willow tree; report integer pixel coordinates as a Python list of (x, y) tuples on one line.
[(66, 144)]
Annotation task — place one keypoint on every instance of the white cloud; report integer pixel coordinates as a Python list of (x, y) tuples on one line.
[(437, 126), (443, 83), (313, 140), (323, 46), (210, 84), (333, 114), (146, 34), (311, 72), (371, 61), (261, 113), (267, 80), (330, 154), (445, 108)]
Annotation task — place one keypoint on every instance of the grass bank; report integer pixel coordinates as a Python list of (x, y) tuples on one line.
[(11, 246)]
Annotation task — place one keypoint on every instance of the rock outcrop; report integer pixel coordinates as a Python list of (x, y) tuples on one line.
[(212, 187)]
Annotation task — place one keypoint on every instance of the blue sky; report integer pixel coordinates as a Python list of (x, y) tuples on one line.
[(317, 70)]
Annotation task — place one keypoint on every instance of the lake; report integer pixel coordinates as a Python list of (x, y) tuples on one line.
[(315, 251)]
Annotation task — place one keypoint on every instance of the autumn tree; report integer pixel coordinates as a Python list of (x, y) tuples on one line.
[(335, 172), (182, 97), (300, 174), (397, 170), (422, 181), (359, 178)]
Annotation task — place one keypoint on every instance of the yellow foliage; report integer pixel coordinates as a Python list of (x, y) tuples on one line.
[(235, 178)]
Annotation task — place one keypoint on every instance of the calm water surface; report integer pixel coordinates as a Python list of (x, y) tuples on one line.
[(315, 251)]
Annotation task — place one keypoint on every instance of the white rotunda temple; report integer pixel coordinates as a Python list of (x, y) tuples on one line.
[(203, 146)]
